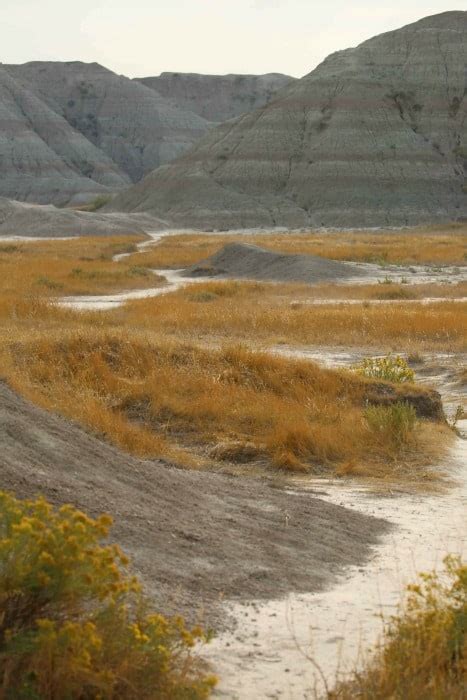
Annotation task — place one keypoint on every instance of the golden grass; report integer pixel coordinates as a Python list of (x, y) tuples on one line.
[(128, 375), (264, 314), (417, 246), (408, 248), (204, 406), (75, 266)]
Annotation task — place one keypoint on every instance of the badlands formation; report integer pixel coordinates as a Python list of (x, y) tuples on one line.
[(374, 136), (72, 131), (218, 97)]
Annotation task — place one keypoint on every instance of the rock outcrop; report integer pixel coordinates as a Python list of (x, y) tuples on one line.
[(374, 136), (218, 97), (134, 126), (72, 131), (42, 158), (46, 221)]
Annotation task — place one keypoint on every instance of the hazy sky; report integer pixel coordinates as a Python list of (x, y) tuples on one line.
[(146, 37)]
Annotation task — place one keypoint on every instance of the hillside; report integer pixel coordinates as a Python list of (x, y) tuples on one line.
[(217, 97), (132, 125), (42, 157), (376, 135)]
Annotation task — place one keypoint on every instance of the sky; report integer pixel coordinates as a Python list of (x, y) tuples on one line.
[(146, 37)]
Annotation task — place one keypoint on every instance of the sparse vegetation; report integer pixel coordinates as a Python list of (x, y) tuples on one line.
[(268, 314), (73, 621), (423, 652), (422, 246), (97, 203), (75, 266)]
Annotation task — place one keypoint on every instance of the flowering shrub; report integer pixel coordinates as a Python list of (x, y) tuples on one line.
[(73, 622), (390, 369), (423, 653)]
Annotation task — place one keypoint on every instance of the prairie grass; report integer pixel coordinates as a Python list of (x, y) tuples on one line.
[(264, 314), (74, 266), (414, 247), (423, 653), (163, 399)]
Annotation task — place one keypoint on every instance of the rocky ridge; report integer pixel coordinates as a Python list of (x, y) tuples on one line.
[(218, 97), (72, 131), (376, 135)]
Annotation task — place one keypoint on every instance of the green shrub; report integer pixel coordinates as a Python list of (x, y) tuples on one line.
[(203, 296), (73, 622), (100, 201), (394, 424), (49, 284), (390, 369)]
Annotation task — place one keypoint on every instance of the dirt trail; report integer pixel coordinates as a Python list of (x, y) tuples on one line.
[(269, 654), (193, 536)]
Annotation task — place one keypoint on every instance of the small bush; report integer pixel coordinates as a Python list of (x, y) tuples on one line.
[(74, 624), (49, 283), (138, 271), (390, 369), (423, 653), (97, 203), (394, 293), (202, 297), (395, 424)]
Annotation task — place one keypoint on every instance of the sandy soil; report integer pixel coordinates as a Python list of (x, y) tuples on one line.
[(292, 647), (195, 538)]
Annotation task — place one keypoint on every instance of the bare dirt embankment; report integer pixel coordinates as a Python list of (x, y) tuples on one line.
[(247, 261), (194, 537)]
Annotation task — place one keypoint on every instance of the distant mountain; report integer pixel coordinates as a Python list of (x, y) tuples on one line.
[(374, 136), (132, 126), (217, 97), (42, 158), (72, 131)]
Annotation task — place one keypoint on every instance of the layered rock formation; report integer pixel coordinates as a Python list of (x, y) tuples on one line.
[(132, 125), (375, 136), (46, 221), (42, 158), (72, 131), (218, 97)]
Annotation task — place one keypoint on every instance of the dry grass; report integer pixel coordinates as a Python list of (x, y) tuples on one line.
[(264, 314), (75, 266), (418, 246), (201, 407), (128, 375)]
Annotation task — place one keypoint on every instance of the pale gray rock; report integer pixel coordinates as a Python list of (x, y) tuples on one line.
[(42, 158), (374, 136), (217, 97), (20, 219), (134, 126)]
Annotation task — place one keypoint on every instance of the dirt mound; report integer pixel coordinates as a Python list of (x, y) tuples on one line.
[(193, 536), (252, 262)]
